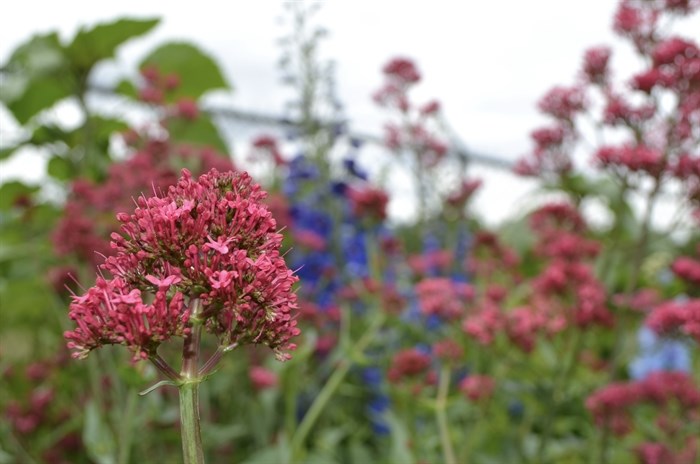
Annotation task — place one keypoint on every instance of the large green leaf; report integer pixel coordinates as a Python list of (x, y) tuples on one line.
[(41, 55), (36, 77), (99, 42), (200, 132), (41, 93), (198, 72)]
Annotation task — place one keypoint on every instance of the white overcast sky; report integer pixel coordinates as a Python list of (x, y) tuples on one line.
[(488, 62)]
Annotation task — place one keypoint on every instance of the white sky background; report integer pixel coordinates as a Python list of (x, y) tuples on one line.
[(487, 62)]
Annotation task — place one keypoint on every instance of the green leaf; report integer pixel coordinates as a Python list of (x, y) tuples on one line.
[(10, 191), (99, 440), (100, 42), (198, 72), (200, 132), (8, 151), (36, 77), (61, 168), (48, 133), (41, 55), (41, 93)]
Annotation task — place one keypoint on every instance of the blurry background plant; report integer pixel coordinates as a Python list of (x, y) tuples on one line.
[(557, 337)]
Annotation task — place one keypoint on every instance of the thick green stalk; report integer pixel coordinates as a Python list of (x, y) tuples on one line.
[(189, 422), (441, 416), (189, 392)]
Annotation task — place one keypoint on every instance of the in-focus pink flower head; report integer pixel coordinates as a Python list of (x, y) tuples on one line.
[(210, 240)]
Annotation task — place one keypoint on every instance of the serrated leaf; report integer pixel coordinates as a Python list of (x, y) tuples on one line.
[(60, 168), (200, 132), (197, 71), (100, 42)]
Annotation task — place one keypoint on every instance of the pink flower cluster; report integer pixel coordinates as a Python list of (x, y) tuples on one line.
[(114, 313), (267, 144), (687, 269), (564, 293), (676, 317), (658, 136), (413, 133), (632, 158), (477, 388), (368, 202), (673, 394), (408, 363), (88, 220), (443, 297), (209, 241)]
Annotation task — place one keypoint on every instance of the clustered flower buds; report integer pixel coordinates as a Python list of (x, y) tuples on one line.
[(209, 241)]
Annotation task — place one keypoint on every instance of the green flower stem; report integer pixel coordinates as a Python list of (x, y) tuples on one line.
[(332, 385), (164, 367), (189, 391), (441, 416)]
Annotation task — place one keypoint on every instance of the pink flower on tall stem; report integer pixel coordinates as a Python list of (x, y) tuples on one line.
[(209, 243)]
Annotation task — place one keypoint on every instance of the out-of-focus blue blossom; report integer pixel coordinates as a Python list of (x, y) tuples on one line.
[(306, 217), (356, 142), (414, 315), (339, 188), (355, 253), (659, 354), (300, 169), (372, 376), (375, 410), (516, 410)]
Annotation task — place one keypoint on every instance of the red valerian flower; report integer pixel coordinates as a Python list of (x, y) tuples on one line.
[(477, 388), (112, 313), (262, 378), (210, 241), (408, 363), (687, 269), (671, 316), (562, 102), (595, 64), (368, 202)]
